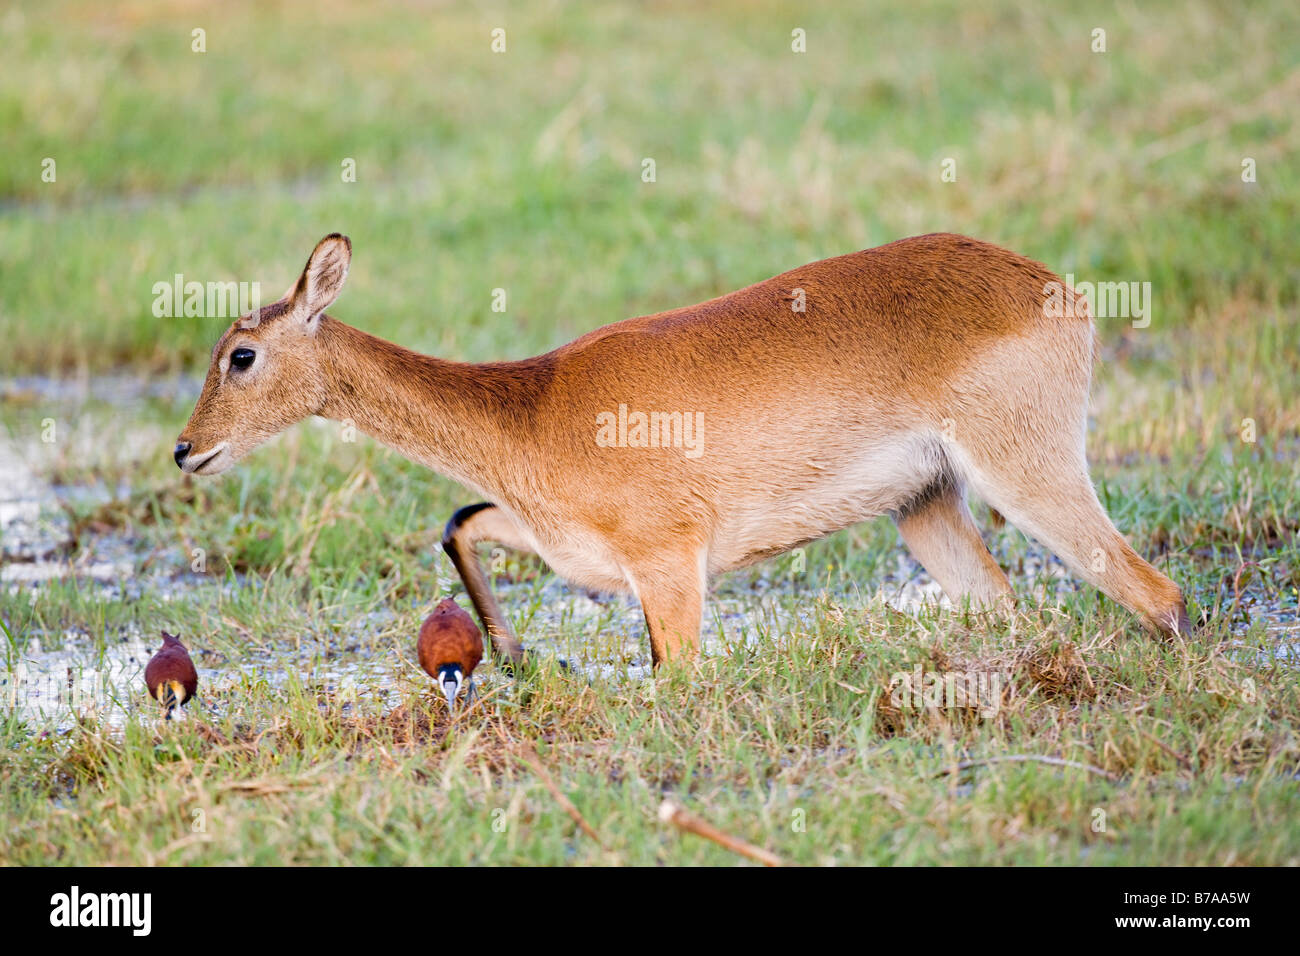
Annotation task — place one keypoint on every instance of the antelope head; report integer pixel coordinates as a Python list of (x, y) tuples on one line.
[(268, 370)]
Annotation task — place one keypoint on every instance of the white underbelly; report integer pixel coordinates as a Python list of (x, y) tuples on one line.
[(774, 507), (781, 511), (586, 561)]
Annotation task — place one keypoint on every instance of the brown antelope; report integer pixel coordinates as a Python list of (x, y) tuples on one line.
[(888, 381)]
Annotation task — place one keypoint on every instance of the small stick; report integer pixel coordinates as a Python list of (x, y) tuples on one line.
[(1166, 748), (1023, 758), (1236, 585), (670, 811), (530, 757)]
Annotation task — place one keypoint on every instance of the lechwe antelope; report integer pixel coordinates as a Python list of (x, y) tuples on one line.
[(888, 381)]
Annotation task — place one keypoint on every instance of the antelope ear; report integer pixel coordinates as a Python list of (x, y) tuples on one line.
[(322, 280)]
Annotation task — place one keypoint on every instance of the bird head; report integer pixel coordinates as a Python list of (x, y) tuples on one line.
[(450, 679)]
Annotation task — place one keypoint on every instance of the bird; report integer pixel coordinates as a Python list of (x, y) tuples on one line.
[(450, 647), (171, 677)]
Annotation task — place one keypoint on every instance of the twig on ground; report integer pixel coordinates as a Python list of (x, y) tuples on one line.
[(670, 811), (1236, 585), (1028, 758), (526, 753), (1166, 748)]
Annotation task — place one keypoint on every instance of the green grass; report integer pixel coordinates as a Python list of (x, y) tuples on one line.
[(523, 171)]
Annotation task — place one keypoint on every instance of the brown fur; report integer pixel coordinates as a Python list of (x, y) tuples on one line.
[(919, 369)]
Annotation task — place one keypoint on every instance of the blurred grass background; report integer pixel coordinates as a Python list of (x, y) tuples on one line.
[(522, 171)]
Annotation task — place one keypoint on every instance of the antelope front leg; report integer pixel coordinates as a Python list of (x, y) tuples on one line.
[(467, 527), (673, 604)]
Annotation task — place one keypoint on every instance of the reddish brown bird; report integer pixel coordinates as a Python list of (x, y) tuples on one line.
[(450, 648), (171, 677)]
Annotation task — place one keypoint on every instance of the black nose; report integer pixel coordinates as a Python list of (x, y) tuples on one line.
[(180, 451)]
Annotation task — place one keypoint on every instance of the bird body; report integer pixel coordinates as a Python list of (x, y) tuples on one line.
[(450, 647), (171, 677)]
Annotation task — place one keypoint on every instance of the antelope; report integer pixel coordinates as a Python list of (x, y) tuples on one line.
[(889, 381)]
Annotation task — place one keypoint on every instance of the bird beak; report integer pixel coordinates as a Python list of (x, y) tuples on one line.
[(450, 689)]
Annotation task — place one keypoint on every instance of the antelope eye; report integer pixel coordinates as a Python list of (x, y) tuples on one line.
[(242, 358)]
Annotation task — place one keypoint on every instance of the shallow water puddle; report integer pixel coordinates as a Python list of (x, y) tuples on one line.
[(54, 687), (51, 679), (32, 526), (601, 638), (55, 680), (605, 637), (1282, 625)]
